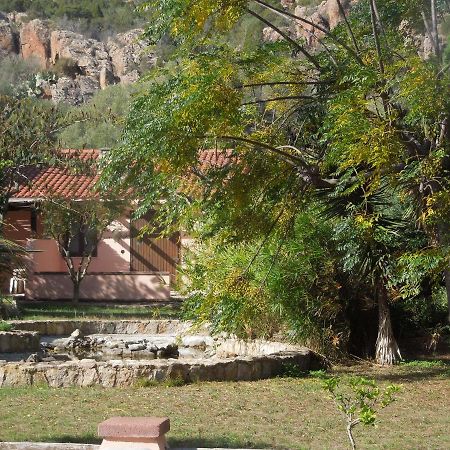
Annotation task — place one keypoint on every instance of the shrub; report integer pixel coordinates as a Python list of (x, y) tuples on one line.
[(110, 106), (5, 326), (15, 71), (289, 284), (66, 67)]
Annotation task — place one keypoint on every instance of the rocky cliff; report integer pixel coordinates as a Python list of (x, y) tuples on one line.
[(326, 14), (93, 64)]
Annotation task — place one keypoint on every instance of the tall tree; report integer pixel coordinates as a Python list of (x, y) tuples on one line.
[(360, 112), (27, 137)]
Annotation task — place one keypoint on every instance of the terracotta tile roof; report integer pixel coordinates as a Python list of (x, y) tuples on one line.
[(208, 160), (43, 181), (39, 182), (214, 159)]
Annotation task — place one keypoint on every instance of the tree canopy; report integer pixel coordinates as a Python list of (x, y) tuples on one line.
[(359, 124)]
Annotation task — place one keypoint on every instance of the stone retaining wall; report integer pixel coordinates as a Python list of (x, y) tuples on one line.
[(67, 327), (227, 348), (127, 373), (19, 341)]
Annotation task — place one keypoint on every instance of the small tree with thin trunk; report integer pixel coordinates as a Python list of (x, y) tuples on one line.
[(358, 399), (77, 227)]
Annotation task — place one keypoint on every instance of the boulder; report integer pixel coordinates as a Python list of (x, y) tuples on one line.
[(327, 15), (136, 347), (77, 334), (35, 42)]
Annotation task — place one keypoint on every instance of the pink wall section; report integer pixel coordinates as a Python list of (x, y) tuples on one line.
[(129, 286), (113, 251), (108, 278)]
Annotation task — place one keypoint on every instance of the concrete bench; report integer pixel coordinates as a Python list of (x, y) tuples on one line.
[(134, 433)]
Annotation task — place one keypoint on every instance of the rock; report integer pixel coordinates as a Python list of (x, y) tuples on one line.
[(189, 353), (88, 55), (135, 347), (128, 53), (113, 352), (194, 341), (74, 91), (19, 341), (48, 359), (112, 344), (33, 358), (77, 334), (8, 39), (287, 4), (17, 17), (88, 87), (106, 78), (327, 15), (35, 42), (144, 354)]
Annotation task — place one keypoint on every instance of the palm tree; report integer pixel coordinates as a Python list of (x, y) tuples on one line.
[(372, 231)]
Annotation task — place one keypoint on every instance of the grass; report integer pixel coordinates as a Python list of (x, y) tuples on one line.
[(282, 413), (5, 326), (49, 311)]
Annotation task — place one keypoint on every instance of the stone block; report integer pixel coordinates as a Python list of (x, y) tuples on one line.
[(134, 433)]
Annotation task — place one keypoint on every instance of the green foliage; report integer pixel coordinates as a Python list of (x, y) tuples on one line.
[(82, 223), (5, 326), (11, 256), (166, 382), (8, 310), (358, 399), (424, 364), (92, 15), (14, 72), (65, 219), (292, 370), (356, 127), (109, 106), (290, 283), (27, 137)]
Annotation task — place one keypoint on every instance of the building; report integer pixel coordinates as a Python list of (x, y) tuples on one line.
[(124, 267)]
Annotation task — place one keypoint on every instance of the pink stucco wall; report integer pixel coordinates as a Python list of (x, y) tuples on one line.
[(129, 286), (113, 252)]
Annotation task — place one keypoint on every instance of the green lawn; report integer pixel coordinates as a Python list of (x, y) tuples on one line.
[(280, 413), (50, 311)]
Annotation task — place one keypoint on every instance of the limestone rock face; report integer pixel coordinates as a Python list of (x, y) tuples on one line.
[(327, 15), (88, 54), (8, 41), (74, 91), (127, 52), (35, 41)]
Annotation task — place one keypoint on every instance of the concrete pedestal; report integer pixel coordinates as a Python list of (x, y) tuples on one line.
[(134, 433)]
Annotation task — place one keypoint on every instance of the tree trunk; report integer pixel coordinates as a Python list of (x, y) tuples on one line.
[(76, 292), (350, 436), (387, 351)]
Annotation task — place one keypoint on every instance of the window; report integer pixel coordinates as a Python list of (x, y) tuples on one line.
[(83, 242)]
